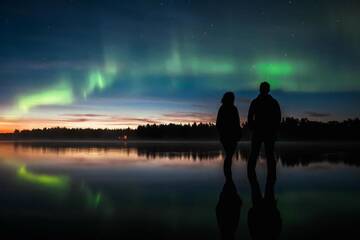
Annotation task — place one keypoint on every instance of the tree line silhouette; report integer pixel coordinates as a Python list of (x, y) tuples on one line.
[(290, 129)]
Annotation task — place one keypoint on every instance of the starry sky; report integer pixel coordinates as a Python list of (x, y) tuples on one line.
[(123, 63)]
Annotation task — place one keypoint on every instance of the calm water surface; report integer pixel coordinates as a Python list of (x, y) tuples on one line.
[(110, 190)]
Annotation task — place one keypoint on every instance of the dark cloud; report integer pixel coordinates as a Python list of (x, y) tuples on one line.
[(126, 120), (76, 120), (112, 120), (90, 115), (189, 117), (316, 114)]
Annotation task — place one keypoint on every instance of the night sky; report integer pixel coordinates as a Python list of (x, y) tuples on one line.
[(123, 63)]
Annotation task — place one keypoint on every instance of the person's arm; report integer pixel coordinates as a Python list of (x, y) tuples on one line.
[(219, 120), (237, 118), (278, 114), (237, 122), (250, 117)]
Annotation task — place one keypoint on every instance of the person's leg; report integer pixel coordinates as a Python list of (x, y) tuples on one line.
[(229, 152), (255, 149), (251, 169), (271, 168)]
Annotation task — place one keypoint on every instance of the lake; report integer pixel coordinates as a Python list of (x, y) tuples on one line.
[(169, 190)]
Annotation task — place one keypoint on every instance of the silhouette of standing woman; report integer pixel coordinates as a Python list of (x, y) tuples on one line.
[(228, 126)]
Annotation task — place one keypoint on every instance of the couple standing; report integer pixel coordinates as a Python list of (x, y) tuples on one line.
[(264, 118)]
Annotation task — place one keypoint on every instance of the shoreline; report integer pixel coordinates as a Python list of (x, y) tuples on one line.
[(175, 141)]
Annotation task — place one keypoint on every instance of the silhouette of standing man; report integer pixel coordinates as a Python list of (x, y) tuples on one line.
[(264, 120), (228, 126)]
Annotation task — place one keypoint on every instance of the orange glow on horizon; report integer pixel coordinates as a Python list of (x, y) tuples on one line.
[(100, 120), (27, 124), (4, 130)]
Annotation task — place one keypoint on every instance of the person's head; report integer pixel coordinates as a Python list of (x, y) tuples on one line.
[(264, 88), (228, 98)]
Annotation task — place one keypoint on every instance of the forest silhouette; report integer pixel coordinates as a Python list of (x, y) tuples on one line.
[(290, 129)]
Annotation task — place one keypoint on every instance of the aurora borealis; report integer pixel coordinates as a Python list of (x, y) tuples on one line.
[(123, 63)]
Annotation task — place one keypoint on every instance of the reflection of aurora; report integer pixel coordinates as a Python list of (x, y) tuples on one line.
[(61, 184), (42, 179), (93, 200)]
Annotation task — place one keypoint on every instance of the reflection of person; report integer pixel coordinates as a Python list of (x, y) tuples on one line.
[(228, 208), (264, 219), (228, 125), (264, 120)]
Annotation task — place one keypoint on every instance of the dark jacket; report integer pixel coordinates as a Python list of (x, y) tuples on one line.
[(264, 116), (228, 123)]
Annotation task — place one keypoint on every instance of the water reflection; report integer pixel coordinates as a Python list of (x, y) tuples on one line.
[(264, 219), (54, 187), (228, 207), (169, 191), (288, 154)]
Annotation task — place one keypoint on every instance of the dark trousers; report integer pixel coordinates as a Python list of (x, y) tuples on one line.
[(271, 163), (229, 147)]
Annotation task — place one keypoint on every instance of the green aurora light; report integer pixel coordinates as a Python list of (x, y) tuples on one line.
[(42, 179), (93, 200), (188, 64), (280, 74), (275, 68), (60, 94), (64, 92), (100, 79)]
